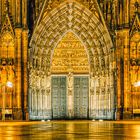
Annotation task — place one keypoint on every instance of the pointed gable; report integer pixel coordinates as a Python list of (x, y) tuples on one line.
[(136, 21), (7, 26)]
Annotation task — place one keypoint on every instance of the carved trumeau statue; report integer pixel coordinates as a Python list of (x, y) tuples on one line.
[(70, 80), (70, 83)]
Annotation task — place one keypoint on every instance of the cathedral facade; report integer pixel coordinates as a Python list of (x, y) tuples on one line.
[(69, 59)]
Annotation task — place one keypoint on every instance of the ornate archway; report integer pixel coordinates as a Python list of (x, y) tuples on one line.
[(92, 32), (70, 79)]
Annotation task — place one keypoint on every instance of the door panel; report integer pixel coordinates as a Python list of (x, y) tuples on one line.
[(59, 97), (81, 92)]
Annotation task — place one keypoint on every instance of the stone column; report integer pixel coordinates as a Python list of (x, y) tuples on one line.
[(40, 108), (18, 111), (126, 14), (30, 99), (127, 113), (47, 107), (118, 67), (35, 104), (92, 97), (18, 13), (122, 73), (24, 71), (24, 13)]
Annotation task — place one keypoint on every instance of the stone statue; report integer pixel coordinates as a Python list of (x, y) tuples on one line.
[(70, 80), (48, 80), (70, 83)]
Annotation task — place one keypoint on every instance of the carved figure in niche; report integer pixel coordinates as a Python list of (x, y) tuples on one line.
[(70, 83), (94, 83), (48, 80), (11, 74), (92, 80), (4, 74), (70, 80)]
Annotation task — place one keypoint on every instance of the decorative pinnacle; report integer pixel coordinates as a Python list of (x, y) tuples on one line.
[(6, 6), (136, 6)]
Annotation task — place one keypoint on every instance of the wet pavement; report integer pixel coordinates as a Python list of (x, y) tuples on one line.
[(70, 130)]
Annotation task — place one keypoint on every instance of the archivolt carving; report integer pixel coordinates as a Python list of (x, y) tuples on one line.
[(73, 17), (91, 5)]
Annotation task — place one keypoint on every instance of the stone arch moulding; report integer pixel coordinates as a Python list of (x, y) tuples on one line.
[(71, 16)]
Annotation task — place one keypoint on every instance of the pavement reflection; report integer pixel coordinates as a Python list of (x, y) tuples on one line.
[(70, 130)]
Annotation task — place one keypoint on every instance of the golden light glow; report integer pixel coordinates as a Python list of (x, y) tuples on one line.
[(7, 46), (70, 56)]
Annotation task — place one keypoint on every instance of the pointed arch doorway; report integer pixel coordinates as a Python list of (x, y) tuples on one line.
[(96, 66), (70, 79)]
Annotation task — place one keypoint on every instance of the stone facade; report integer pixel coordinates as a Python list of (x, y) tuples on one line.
[(30, 32)]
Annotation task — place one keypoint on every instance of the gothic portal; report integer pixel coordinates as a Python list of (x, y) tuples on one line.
[(69, 59), (71, 66)]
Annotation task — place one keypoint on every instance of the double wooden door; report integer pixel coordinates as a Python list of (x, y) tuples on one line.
[(80, 97)]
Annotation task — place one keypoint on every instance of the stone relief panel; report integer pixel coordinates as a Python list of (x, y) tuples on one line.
[(70, 56)]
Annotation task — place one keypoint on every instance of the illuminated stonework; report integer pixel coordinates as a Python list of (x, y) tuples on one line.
[(13, 60), (46, 43), (108, 34), (70, 56)]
